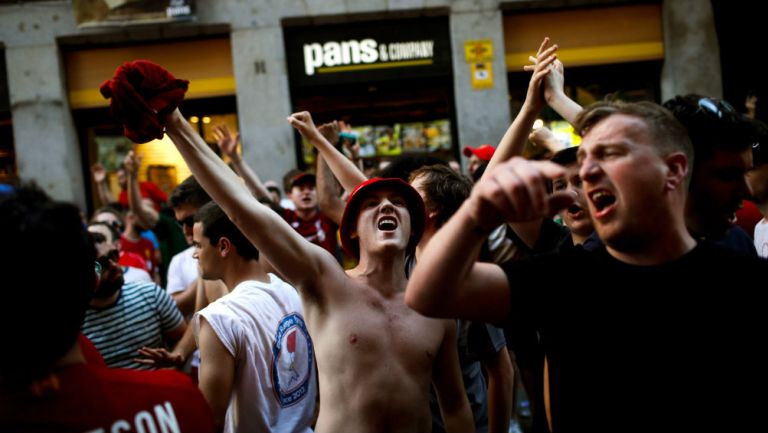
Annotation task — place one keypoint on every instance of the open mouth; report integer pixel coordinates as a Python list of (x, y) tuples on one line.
[(603, 201), (387, 224), (575, 211)]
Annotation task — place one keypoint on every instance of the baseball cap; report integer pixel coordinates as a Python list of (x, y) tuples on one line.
[(484, 152), (412, 200), (302, 177)]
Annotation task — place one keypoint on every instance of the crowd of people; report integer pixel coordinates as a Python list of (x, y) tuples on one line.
[(415, 299)]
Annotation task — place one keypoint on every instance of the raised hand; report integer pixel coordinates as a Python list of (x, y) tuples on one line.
[(131, 162), (159, 358), (554, 86), (303, 123), (226, 142), (545, 57), (330, 131), (547, 139), (98, 172)]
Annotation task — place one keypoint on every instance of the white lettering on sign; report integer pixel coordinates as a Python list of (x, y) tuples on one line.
[(163, 421), (366, 51)]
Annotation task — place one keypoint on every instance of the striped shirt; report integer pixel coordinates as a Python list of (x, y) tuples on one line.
[(142, 313)]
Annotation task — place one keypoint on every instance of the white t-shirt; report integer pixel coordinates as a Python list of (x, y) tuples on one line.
[(262, 326), (136, 275), (182, 271), (761, 238)]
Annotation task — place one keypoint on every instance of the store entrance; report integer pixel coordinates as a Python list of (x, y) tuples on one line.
[(389, 118)]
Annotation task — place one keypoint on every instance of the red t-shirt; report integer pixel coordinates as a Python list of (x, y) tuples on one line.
[(144, 248), (83, 398), (89, 351), (133, 260), (748, 216), (147, 190), (319, 230)]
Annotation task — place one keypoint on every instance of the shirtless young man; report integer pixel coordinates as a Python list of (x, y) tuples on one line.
[(376, 357)]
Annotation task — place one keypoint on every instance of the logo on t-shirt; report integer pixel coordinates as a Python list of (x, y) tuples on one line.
[(292, 360)]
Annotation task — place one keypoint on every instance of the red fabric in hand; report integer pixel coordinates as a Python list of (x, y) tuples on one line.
[(143, 95)]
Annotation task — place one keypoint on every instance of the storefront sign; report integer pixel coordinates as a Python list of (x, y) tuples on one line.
[(92, 13), (335, 56), (366, 51)]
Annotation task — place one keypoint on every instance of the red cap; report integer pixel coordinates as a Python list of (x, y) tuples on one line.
[(412, 199), (303, 177), (484, 152)]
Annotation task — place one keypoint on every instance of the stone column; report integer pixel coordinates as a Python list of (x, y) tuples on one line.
[(691, 50), (263, 100), (482, 115), (46, 143)]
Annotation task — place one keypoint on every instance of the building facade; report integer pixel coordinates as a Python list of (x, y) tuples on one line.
[(427, 76)]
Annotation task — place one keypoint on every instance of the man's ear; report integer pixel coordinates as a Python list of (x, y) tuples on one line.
[(225, 247), (677, 170)]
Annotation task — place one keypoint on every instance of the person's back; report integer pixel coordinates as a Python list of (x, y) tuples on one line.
[(83, 397), (47, 386)]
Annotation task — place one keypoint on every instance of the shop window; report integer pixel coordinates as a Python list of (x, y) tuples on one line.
[(103, 141)]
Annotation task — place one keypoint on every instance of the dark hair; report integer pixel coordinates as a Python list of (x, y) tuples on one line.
[(188, 192), (112, 230), (712, 125), (46, 309), (217, 225), (666, 133), (118, 213), (444, 189), (565, 156), (402, 166)]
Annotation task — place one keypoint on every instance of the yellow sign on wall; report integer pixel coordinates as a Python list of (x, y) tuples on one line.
[(478, 51), (482, 75)]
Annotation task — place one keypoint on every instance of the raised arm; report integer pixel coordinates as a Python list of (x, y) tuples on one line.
[(554, 91), (514, 139), (143, 209), (328, 198), (447, 282), (102, 188), (345, 170), (228, 146), (446, 378), (301, 262)]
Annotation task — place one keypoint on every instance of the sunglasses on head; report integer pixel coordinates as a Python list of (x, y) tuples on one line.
[(716, 107), (187, 222)]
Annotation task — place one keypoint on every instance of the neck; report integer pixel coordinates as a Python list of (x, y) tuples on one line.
[(667, 245), (578, 239), (306, 214), (429, 232), (763, 208), (238, 269), (384, 272)]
